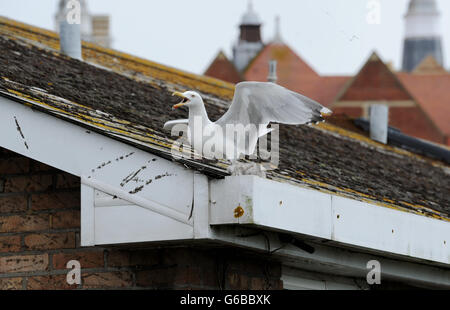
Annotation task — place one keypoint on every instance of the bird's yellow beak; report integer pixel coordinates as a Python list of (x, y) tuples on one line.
[(182, 103)]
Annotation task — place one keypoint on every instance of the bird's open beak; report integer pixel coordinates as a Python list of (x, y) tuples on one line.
[(183, 102)]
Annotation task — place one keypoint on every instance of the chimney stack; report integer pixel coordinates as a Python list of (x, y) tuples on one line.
[(70, 39), (379, 122), (69, 21), (272, 71)]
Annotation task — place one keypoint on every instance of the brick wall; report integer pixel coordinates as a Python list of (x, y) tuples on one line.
[(40, 233)]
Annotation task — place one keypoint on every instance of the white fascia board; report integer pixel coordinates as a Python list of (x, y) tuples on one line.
[(122, 171), (284, 207)]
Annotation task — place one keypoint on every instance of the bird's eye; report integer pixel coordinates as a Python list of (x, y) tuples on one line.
[(192, 96)]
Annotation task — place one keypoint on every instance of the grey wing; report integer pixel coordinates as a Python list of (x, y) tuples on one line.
[(261, 103)]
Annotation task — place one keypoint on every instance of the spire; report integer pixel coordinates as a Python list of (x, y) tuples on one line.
[(249, 42), (250, 18), (422, 6), (277, 37), (422, 34), (422, 19)]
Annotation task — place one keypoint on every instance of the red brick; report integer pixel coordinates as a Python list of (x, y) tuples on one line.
[(210, 279), (28, 183), (277, 284), (6, 152), (87, 259), (263, 284), (10, 284), (55, 200), (14, 165), (24, 223), (146, 257), (50, 282), (13, 204), (50, 241), (66, 219), (38, 167), (237, 281), (156, 278), (258, 284), (107, 280), (188, 275), (117, 258), (66, 180), (169, 277), (9, 244), (23, 263)]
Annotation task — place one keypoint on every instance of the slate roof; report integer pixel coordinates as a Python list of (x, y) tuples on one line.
[(130, 99)]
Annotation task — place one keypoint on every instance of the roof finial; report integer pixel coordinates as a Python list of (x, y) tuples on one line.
[(250, 18), (422, 6), (250, 6), (277, 38), (272, 77)]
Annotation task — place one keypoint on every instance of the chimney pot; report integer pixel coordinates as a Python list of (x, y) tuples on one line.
[(70, 39), (379, 122), (272, 71)]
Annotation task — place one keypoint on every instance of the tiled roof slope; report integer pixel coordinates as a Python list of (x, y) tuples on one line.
[(432, 92), (328, 89), (131, 100), (223, 69), (375, 81), (429, 66), (292, 71)]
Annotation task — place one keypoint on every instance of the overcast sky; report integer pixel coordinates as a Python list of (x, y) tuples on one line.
[(333, 36)]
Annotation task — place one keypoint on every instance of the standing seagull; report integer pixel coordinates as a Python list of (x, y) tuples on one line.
[(254, 106)]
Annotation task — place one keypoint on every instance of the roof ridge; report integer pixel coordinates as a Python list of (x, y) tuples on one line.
[(270, 44), (374, 57)]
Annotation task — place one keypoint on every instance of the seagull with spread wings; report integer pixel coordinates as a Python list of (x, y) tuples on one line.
[(255, 105)]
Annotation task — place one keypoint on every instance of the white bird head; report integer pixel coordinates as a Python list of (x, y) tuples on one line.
[(190, 99)]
